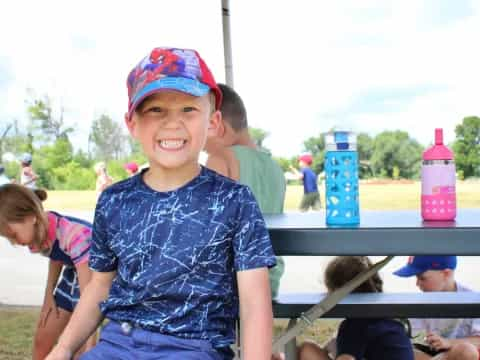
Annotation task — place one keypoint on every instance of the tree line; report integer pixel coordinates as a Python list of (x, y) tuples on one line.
[(395, 155), (390, 154)]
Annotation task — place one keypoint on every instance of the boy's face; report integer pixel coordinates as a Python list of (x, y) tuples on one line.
[(433, 280), (172, 128)]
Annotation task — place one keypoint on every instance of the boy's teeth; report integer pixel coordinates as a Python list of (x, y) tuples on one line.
[(171, 144)]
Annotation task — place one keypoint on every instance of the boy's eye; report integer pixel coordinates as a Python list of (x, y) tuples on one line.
[(152, 109), (188, 109)]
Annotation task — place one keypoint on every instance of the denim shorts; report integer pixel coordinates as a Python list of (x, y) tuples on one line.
[(124, 342)]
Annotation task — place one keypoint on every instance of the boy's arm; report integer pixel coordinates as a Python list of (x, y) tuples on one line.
[(85, 318), (296, 173), (256, 317), (31, 173)]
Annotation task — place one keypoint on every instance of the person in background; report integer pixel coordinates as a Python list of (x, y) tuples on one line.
[(445, 339), (28, 177), (233, 153), (177, 250), (357, 339), (65, 241), (3, 178), (103, 179), (311, 196), (131, 168)]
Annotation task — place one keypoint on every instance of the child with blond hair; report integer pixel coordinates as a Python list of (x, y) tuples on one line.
[(177, 248)]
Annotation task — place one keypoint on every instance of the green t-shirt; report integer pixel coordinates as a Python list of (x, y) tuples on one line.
[(265, 177)]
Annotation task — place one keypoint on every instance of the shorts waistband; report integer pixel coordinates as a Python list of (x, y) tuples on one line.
[(144, 336)]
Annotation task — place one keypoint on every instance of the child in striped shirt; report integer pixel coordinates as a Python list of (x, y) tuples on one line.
[(65, 241)]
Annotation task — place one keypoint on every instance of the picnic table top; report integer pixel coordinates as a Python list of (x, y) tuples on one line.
[(379, 233)]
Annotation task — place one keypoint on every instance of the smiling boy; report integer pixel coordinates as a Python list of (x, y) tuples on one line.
[(177, 248)]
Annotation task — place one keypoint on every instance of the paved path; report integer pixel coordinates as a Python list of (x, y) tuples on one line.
[(23, 275)]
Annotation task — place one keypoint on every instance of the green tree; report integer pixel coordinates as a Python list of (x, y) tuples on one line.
[(396, 149), (42, 118), (50, 157), (258, 135), (5, 129), (283, 162), (316, 146), (83, 159), (467, 146), (107, 139), (14, 141), (365, 148)]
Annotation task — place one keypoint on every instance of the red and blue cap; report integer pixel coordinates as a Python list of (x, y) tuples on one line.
[(168, 68), (419, 264)]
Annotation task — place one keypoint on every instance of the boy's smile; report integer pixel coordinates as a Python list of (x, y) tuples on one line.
[(172, 144)]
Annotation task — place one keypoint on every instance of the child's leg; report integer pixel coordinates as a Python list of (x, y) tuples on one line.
[(311, 351), (345, 357), (460, 351), (420, 355), (317, 205), (48, 332)]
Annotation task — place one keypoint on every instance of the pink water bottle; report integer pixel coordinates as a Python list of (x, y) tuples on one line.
[(438, 182)]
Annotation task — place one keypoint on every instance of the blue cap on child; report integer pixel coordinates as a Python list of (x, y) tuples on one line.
[(419, 264)]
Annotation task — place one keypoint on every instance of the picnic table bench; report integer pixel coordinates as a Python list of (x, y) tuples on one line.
[(379, 233)]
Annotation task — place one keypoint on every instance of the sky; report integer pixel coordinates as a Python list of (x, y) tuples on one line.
[(302, 67)]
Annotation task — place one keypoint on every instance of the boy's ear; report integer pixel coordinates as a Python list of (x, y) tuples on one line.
[(215, 125), (130, 124)]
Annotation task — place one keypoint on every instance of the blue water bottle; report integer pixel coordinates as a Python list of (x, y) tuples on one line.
[(341, 178)]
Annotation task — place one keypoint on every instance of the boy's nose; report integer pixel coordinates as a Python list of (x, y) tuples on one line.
[(172, 121)]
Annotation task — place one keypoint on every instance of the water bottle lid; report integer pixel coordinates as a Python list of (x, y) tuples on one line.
[(438, 151), (341, 141)]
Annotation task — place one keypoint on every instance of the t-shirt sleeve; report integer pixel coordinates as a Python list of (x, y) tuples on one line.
[(102, 258), (351, 340), (251, 242), (79, 244)]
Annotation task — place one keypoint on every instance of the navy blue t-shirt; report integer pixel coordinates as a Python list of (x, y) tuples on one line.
[(176, 254), (309, 180), (374, 339)]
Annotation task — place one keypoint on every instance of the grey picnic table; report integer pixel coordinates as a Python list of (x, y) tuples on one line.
[(381, 233)]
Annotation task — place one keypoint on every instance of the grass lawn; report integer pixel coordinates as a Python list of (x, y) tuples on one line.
[(17, 323), (373, 196)]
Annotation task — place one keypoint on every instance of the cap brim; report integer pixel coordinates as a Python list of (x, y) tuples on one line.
[(186, 85), (408, 271)]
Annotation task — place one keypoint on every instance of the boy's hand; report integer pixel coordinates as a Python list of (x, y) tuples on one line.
[(60, 353), (437, 342)]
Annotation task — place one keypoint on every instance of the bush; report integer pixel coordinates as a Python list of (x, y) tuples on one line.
[(73, 177), (12, 170)]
